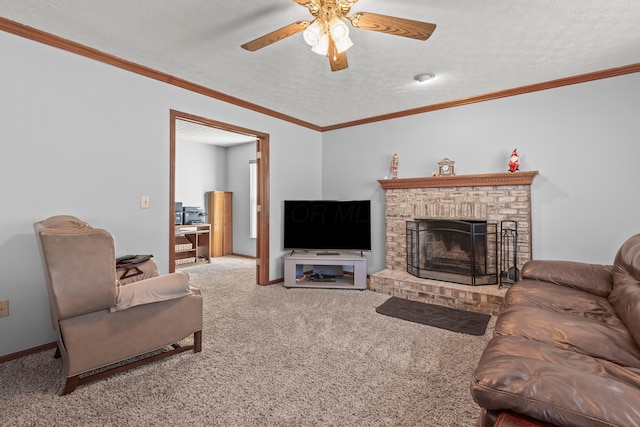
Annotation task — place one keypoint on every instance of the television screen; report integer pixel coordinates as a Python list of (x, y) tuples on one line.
[(327, 224)]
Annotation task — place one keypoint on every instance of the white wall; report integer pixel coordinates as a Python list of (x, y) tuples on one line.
[(83, 138), (583, 139), (200, 168)]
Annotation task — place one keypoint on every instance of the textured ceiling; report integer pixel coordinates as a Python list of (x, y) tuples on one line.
[(187, 131), (478, 47)]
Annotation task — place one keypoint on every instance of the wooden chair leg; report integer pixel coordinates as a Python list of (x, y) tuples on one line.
[(197, 341), (71, 384)]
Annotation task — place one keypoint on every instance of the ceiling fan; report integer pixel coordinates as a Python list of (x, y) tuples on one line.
[(327, 33)]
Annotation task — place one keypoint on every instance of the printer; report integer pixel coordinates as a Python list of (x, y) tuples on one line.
[(193, 215)]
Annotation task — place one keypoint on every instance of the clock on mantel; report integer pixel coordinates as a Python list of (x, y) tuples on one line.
[(445, 167), (471, 180)]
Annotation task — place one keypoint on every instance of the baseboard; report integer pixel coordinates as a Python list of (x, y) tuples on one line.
[(27, 352), (243, 255)]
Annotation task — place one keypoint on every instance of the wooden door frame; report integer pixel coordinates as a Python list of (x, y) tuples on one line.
[(262, 161)]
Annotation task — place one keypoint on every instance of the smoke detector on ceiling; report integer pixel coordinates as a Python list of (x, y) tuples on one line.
[(423, 77)]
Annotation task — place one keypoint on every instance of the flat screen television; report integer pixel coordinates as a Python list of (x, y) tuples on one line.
[(327, 225)]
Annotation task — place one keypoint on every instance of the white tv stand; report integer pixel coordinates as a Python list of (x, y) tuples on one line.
[(356, 281)]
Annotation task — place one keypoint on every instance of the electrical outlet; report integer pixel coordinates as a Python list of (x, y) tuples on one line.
[(145, 202), (4, 308)]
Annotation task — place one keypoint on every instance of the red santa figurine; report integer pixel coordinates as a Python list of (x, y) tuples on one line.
[(514, 161)]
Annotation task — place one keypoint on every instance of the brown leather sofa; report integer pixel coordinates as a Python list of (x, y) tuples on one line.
[(103, 323), (565, 351)]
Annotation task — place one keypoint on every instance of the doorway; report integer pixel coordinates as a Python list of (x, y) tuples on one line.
[(262, 162)]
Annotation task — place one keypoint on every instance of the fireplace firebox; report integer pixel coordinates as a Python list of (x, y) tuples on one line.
[(459, 251)]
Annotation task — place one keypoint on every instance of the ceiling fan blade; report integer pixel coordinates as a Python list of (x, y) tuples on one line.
[(338, 61), (275, 36), (392, 25)]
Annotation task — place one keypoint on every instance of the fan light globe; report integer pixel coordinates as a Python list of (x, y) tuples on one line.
[(322, 47), (340, 33), (314, 33), (343, 44), (338, 29)]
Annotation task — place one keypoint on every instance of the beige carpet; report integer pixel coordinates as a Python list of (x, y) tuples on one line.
[(271, 357)]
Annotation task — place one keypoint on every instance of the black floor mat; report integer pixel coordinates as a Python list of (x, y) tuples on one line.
[(451, 319)]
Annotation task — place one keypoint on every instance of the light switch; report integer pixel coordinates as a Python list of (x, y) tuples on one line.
[(145, 202)]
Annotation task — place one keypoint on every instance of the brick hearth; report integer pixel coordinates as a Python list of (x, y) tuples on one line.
[(482, 299), (490, 197)]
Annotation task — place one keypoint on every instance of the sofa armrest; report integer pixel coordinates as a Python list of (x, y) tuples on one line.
[(593, 278), (160, 288)]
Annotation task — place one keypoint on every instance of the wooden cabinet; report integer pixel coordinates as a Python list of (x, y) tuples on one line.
[(220, 217), (192, 244)]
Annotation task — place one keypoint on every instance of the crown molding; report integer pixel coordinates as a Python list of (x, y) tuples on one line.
[(40, 36), (552, 84)]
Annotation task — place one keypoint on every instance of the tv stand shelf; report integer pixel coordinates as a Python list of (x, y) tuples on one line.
[(356, 281)]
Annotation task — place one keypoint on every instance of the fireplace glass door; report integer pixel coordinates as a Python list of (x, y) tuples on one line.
[(459, 251)]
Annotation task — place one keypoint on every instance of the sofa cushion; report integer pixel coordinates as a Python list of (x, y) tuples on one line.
[(625, 296), (593, 278), (562, 299), (555, 385), (570, 332)]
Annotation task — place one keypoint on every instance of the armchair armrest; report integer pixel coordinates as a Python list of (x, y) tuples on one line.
[(159, 288), (147, 270), (593, 278)]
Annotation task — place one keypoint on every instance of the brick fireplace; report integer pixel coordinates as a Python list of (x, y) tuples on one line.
[(488, 197)]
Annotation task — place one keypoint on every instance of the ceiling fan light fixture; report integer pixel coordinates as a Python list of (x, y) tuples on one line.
[(327, 32)]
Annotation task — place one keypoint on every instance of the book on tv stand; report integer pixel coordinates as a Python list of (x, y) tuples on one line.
[(322, 278)]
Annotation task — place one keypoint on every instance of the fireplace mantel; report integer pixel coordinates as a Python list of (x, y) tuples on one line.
[(472, 180)]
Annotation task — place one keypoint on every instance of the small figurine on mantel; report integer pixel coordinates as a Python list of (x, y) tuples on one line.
[(514, 161), (395, 162)]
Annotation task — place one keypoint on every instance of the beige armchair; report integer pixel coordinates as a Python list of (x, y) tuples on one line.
[(100, 321)]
